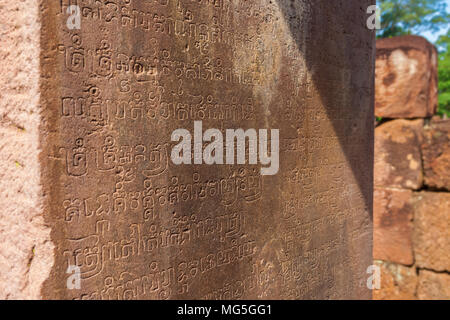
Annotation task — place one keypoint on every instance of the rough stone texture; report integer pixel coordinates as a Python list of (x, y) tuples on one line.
[(140, 227), (392, 222), (397, 282), (431, 236), (26, 252), (433, 286), (405, 78), (398, 162), (436, 154)]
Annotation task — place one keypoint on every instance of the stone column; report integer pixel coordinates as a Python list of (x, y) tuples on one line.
[(114, 208)]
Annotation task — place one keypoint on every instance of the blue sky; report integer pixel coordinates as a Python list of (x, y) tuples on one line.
[(433, 36)]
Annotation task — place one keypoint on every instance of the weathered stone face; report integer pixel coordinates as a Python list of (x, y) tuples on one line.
[(392, 237), (398, 162), (405, 78), (431, 231), (436, 155), (433, 286), (397, 282), (140, 227)]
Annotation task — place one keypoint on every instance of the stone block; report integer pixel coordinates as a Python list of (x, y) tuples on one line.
[(398, 161), (433, 286), (431, 236), (406, 78), (392, 223), (397, 282), (436, 155)]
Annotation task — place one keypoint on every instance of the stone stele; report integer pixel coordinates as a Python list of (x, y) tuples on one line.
[(89, 191)]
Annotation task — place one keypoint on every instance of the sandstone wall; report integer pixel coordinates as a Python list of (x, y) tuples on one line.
[(412, 172)]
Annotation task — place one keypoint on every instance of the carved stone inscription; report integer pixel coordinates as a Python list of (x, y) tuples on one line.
[(139, 227)]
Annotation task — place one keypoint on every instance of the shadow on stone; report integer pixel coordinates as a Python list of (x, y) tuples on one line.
[(346, 96)]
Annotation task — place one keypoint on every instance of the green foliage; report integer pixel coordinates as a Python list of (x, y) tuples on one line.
[(400, 17), (444, 74)]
